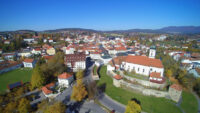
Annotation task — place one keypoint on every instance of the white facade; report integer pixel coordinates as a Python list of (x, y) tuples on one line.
[(65, 82), (80, 65), (35, 52), (69, 51), (28, 64), (141, 69), (25, 54), (95, 56), (152, 53)]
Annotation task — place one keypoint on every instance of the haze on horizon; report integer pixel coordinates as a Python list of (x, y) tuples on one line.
[(98, 14)]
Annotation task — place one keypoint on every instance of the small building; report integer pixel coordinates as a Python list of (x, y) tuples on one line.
[(36, 51), (6, 42), (175, 92), (15, 85), (48, 89), (30, 63), (51, 51), (117, 80), (76, 61), (65, 79)]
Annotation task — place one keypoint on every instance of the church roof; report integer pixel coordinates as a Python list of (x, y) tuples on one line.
[(144, 60)]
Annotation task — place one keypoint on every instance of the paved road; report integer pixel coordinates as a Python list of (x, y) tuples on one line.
[(103, 99), (111, 104), (42, 97)]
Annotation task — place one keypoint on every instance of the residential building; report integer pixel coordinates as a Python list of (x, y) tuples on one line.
[(65, 79), (175, 92), (51, 51), (30, 63), (75, 61)]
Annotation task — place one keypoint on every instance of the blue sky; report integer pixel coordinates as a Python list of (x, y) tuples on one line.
[(97, 14)]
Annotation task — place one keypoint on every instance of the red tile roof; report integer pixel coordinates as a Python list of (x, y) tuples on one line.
[(118, 77), (50, 85), (144, 60), (155, 75), (46, 90), (48, 57), (28, 60), (65, 75), (176, 86)]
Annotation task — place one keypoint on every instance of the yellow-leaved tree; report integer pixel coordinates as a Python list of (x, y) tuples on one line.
[(79, 91), (133, 107)]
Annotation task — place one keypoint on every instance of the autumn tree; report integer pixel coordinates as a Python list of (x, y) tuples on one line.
[(79, 91), (24, 106), (169, 73), (133, 107), (37, 79), (57, 107), (11, 107), (54, 66), (79, 74)]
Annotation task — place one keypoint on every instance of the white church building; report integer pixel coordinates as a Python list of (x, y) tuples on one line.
[(148, 66)]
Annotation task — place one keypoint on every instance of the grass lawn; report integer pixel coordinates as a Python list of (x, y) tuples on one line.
[(21, 74), (189, 103), (149, 104)]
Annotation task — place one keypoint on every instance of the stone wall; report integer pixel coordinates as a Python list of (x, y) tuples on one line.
[(144, 82), (144, 91)]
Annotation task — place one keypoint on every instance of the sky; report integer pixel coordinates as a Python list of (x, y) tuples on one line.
[(97, 14)]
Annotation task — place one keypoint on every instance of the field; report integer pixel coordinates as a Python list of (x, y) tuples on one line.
[(21, 74), (149, 104), (189, 103)]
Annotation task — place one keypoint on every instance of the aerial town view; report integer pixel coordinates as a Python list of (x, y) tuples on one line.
[(100, 56)]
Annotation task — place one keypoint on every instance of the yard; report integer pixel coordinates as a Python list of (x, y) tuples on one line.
[(21, 74), (149, 104), (189, 103)]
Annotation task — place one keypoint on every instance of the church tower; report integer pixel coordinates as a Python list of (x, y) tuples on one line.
[(152, 52)]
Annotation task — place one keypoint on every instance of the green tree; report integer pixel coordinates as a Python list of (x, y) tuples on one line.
[(133, 107), (37, 79), (24, 106), (79, 91)]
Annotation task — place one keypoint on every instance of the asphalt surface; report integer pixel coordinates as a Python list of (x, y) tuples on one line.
[(85, 107)]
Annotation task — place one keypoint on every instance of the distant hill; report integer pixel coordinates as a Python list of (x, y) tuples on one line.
[(181, 29), (69, 29), (170, 29)]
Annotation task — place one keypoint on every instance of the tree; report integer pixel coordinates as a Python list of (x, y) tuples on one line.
[(57, 107), (169, 73), (10, 107), (24, 106), (79, 74), (133, 107), (54, 66), (37, 79), (79, 91)]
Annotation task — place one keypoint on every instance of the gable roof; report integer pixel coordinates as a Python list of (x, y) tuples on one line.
[(64, 75), (28, 60), (144, 60), (118, 77), (176, 86)]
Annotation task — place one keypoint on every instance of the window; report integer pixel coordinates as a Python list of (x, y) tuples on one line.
[(138, 69), (143, 70), (151, 69)]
